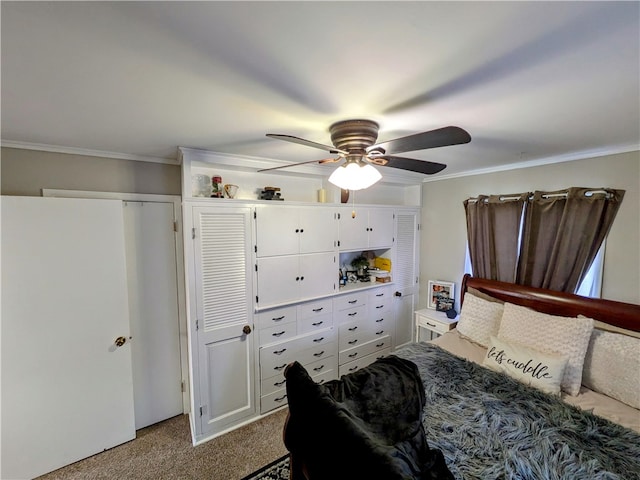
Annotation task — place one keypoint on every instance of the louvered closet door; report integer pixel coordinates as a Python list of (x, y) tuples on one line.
[(222, 247), (405, 273)]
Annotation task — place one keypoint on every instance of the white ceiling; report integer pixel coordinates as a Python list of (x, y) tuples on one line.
[(530, 81)]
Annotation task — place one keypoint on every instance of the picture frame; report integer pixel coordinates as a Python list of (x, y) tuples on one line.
[(440, 290)]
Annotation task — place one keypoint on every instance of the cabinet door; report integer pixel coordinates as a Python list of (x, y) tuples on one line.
[(278, 280), (319, 228), (224, 374), (319, 275), (277, 230), (353, 225), (380, 228)]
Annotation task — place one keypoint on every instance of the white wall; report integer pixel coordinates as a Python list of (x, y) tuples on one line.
[(444, 231)]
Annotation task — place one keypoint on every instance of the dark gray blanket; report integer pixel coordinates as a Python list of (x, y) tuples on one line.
[(490, 426), (367, 425)]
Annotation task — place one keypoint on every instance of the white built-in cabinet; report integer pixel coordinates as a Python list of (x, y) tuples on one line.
[(263, 290)]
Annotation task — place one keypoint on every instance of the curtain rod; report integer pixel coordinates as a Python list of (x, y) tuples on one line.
[(502, 198)]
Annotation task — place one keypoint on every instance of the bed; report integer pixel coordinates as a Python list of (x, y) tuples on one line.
[(531, 384)]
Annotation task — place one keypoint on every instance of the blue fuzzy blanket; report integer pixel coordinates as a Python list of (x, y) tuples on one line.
[(489, 426)]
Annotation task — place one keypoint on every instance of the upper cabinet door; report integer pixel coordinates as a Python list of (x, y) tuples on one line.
[(366, 228), (353, 228), (285, 230), (380, 228), (319, 227), (277, 231)]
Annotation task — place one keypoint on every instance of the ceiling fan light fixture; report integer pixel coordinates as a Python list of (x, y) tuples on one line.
[(354, 176)]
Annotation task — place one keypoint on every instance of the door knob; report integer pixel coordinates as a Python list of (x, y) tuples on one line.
[(120, 341), (246, 329)]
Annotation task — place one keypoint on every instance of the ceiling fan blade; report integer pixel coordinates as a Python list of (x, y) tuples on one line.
[(324, 160), (440, 137), (411, 164), (308, 143)]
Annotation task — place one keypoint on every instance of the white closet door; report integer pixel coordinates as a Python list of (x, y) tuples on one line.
[(153, 308), (67, 389)]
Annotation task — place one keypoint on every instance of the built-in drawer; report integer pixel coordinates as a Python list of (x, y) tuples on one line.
[(355, 339), (273, 400), (314, 309), (315, 323), (380, 293), (381, 323), (277, 333), (315, 353), (366, 348), (318, 369), (278, 316), (271, 397), (351, 314), (275, 357), (362, 362), (349, 300), (273, 384), (354, 326)]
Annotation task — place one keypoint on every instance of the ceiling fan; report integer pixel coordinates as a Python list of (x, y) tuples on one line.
[(354, 142)]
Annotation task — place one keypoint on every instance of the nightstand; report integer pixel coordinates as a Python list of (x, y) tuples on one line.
[(434, 321)]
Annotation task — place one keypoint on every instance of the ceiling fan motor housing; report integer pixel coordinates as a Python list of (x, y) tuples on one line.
[(354, 136)]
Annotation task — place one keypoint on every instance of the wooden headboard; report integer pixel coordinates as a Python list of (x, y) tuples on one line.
[(619, 314)]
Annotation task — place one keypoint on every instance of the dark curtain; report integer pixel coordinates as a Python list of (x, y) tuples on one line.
[(563, 231), (493, 227)]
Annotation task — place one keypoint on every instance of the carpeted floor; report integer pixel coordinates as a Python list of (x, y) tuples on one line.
[(164, 451)]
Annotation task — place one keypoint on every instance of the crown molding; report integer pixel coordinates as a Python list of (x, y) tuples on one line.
[(582, 155), (86, 152)]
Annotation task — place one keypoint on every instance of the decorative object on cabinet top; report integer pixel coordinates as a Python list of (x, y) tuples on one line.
[(270, 193)]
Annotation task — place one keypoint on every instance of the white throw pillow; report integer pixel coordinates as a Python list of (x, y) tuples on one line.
[(479, 319), (550, 334), (526, 365), (612, 366)]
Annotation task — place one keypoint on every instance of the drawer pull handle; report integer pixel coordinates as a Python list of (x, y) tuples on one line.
[(277, 334), (280, 367), (317, 369), (280, 352), (380, 332), (318, 323), (380, 320), (279, 399), (379, 294), (380, 306), (318, 339), (353, 314), (353, 342), (277, 319), (279, 384), (353, 301), (318, 309), (430, 324), (353, 355), (319, 354), (352, 369), (352, 329), (380, 345)]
